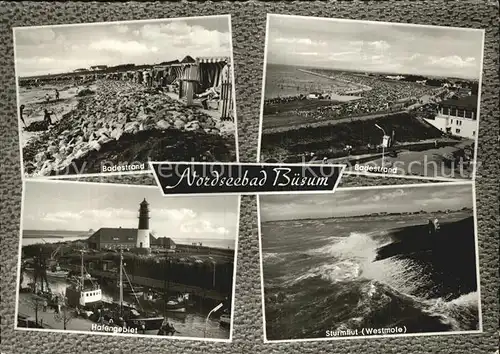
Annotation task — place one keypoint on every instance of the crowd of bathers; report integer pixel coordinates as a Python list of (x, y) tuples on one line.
[(384, 96)]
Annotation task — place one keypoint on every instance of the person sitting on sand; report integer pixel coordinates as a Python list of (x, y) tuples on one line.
[(211, 93)]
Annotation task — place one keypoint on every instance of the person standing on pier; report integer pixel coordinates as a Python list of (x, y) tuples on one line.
[(21, 109)]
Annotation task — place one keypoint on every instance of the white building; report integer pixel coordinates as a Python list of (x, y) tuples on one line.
[(457, 117)]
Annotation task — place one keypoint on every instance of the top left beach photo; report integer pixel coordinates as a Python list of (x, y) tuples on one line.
[(107, 98)]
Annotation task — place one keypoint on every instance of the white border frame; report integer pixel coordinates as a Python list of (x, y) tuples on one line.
[(367, 337), (20, 246), (250, 192), (480, 80), (157, 20)]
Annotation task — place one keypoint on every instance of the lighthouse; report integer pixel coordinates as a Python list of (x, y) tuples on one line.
[(143, 229)]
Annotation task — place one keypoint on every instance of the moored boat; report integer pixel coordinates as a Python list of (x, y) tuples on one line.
[(177, 304), (57, 272), (83, 291), (129, 315)]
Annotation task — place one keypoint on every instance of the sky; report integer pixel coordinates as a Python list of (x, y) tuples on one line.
[(365, 201), (374, 47), (59, 49), (81, 207)]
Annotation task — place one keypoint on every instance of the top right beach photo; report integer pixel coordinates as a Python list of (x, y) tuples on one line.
[(383, 98)]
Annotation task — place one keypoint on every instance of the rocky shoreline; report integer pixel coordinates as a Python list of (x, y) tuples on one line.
[(125, 122)]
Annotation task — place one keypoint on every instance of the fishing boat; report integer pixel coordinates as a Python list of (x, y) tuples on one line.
[(132, 316), (177, 304), (57, 272), (83, 291)]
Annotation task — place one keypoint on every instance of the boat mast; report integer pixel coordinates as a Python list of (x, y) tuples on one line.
[(121, 282), (165, 287), (82, 277)]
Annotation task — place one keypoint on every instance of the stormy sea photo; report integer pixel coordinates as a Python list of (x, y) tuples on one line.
[(386, 261), (397, 96), (117, 259), (94, 97)]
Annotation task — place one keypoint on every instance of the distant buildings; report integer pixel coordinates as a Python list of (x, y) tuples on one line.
[(457, 116), (98, 67), (397, 77)]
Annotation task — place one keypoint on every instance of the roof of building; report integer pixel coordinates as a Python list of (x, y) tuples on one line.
[(208, 60), (188, 59), (116, 234), (468, 102), (176, 61)]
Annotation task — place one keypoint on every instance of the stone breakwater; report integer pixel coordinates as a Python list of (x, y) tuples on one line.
[(122, 122)]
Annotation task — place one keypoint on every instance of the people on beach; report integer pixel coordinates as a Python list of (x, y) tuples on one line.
[(47, 98), (47, 116), (433, 226), (212, 93), (21, 109), (57, 94)]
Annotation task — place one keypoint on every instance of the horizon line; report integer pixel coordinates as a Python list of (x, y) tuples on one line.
[(373, 71)]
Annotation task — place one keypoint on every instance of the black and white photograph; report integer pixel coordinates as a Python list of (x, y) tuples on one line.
[(109, 97), (386, 98), (370, 262), (124, 260)]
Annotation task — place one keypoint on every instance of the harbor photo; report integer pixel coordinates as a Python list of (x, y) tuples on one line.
[(124, 260), (109, 97), (370, 262), (387, 98)]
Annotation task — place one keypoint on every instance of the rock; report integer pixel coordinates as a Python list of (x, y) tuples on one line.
[(117, 133), (163, 124), (52, 149), (148, 124), (103, 139), (192, 126), (131, 127), (179, 124), (122, 117)]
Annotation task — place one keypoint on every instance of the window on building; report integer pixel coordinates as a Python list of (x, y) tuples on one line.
[(457, 131), (446, 111), (453, 112), (468, 114), (451, 121), (460, 112)]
